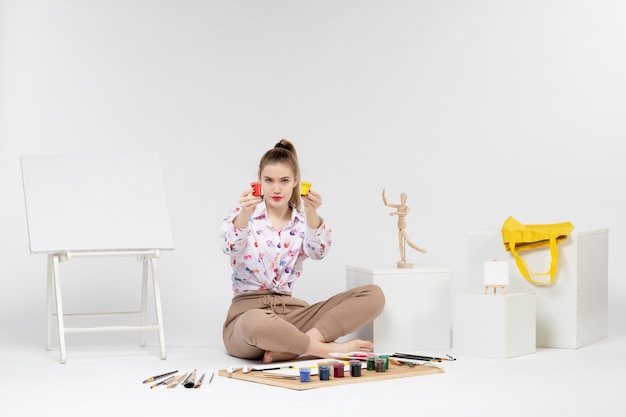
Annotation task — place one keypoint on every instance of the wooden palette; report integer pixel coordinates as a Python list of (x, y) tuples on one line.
[(394, 371)]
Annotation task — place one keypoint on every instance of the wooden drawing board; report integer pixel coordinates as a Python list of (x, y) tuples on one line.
[(92, 202), (394, 371)]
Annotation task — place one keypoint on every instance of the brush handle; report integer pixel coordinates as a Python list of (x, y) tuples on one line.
[(199, 383), (190, 381)]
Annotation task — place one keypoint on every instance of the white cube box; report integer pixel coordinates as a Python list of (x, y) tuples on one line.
[(494, 326), (573, 311), (417, 307)]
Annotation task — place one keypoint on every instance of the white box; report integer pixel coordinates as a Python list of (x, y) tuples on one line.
[(417, 307), (573, 311), (494, 326)]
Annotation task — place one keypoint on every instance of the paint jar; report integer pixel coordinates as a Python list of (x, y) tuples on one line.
[(355, 368), (305, 374), (338, 368), (380, 364), (324, 371), (305, 187), (256, 188), (386, 358), (370, 363)]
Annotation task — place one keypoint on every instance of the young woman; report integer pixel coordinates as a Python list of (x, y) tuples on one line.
[(267, 238)]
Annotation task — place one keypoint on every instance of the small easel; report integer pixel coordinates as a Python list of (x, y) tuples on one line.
[(495, 289), (496, 275)]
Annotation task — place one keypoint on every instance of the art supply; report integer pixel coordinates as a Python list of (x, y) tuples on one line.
[(190, 381), (338, 369), (355, 368), (305, 187), (164, 382), (233, 369), (324, 371), (380, 364), (422, 357), (154, 378), (292, 381), (305, 374), (187, 380), (177, 381), (362, 356), (386, 358), (371, 363), (67, 195), (406, 362), (198, 383), (256, 188), (247, 369), (278, 376)]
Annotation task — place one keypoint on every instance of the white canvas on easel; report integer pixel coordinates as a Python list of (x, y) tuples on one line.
[(496, 275), (94, 205), (95, 202)]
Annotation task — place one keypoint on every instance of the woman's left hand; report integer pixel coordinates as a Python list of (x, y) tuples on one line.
[(312, 200)]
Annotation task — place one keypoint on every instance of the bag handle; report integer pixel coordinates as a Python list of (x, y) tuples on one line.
[(523, 266)]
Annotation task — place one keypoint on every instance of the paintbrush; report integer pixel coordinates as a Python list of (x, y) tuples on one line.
[(198, 383), (154, 378), (190, 381), (277, 376), (165, 381), (176, 381)]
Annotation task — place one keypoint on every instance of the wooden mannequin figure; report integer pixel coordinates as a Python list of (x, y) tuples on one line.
[(401, 211)]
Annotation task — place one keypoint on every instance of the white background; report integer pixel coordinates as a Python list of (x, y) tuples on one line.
[(477, 110)]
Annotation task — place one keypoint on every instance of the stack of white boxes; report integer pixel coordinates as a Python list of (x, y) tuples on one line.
[(570, 313)]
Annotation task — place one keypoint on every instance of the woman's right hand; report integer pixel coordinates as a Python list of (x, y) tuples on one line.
[(248, 202)]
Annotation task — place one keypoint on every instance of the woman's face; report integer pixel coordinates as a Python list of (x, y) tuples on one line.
[(278, 181)]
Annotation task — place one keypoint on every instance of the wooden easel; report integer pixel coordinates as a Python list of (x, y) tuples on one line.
[(496, 275), (495, 289)]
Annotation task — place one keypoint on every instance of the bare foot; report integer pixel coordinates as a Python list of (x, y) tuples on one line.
[(353, 345), (324, 349), (269, 356), (320, 348)]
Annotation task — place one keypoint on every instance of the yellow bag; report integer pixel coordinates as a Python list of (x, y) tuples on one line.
[(517, 237)]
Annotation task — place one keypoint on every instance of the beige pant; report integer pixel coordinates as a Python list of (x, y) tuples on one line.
[(263, 321)]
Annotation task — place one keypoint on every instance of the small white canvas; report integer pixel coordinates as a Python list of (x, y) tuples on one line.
[(496, 273)]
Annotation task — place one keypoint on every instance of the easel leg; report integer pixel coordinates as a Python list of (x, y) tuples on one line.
[(144, 298), (49, 303), (495, 289), (157, 303), (59, 305)]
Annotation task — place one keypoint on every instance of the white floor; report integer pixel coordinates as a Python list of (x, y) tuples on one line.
[(105, 379)]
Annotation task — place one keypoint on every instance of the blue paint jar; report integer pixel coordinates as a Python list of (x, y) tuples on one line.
[(305, 374), (324, 371)]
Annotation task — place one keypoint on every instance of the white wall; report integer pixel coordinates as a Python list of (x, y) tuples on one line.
[(477, 110)]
